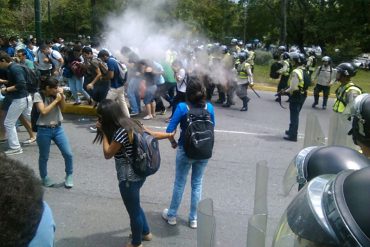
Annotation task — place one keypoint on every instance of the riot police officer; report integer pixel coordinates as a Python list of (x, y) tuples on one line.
[(297, 93), (284, 74), (245, 79), (361, 123), (325, 78)]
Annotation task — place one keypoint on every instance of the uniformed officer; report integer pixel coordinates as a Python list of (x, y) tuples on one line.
[(285, 73), (297, 93), (245, 79), (325, 78)]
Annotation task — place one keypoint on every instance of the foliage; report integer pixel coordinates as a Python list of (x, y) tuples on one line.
[(328, 23), (263, 57)]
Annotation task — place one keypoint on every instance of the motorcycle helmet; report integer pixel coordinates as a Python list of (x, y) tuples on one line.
[(331, 210), (361, 120), (314, 161), (346, 69)]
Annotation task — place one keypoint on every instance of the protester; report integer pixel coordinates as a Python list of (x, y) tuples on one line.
[(49, 102), (116, 91), (21, 101), (195, 97), (26, 220), (115, 131), (75, 82)]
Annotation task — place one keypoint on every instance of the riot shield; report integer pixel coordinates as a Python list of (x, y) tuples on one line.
[(338, 131), (313, 135), (206, 231)]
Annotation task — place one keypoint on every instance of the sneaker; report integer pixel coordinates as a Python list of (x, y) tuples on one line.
[(163, 112), (93, 129), (29, 141), (133, 114), (68, 183), (47, 182), (170, 220), (148, 117), (193, 224), (13, 151)]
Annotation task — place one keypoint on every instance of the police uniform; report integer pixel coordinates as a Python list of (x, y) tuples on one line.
[(245, 78), (345, 94), (298, 95)]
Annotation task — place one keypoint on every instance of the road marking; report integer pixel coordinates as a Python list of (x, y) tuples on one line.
[(228, 132)]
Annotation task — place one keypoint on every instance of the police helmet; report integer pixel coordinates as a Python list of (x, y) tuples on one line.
[(281, 48), (240, 43), (361, 120), (298, 58), (249, 46), (326, 59), (314, 161), (234, 41), (223, 49), (346, 69), (243, 56), (285, 56)]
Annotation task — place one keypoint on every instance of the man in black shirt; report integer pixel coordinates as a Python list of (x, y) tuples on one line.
[(15, 89)]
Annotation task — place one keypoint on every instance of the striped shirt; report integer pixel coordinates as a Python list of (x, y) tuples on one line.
[(123, 157)]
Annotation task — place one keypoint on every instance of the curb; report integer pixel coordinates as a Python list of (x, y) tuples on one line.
[(87, 110), (79, 109)]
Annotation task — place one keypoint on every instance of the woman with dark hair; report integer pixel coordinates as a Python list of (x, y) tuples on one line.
[(116, 132), (49, 102), (195, 97)]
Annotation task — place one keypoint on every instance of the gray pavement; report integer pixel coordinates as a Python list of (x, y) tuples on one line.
[(92, 213)]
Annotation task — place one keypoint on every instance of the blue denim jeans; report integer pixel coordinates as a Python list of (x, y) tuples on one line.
[(75, 84), (133, 94), (44, 137), (183, 165), (130, 193)]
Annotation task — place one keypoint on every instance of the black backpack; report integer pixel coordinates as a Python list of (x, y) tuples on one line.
[(32, 80), (199, 135), (274, 70), (146, 158), (35, 113), (307, 82)]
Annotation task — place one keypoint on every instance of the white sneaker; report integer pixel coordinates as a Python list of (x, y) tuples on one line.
[(170, 220), (13, 151), (93, 129), (193, 224), (148, 117)]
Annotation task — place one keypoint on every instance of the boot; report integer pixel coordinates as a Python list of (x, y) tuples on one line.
[(245, 104), (221, 98)]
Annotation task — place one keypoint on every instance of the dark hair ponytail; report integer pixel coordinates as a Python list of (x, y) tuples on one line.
[(195, 92)]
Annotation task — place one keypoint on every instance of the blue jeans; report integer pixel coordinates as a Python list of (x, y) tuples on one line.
[(133, 94), (294, 108), (183, 165), (44, 137), (130, 193), (75, 85)]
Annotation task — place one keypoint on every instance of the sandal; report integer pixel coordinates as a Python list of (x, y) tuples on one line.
[(29, 141)]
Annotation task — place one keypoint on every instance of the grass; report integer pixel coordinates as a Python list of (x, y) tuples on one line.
[(262, 77)]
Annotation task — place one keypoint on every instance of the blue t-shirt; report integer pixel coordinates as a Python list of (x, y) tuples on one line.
[(46, 230), (115, 82), (180, 117)]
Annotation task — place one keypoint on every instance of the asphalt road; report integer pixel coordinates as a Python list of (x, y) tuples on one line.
[(92, 213)]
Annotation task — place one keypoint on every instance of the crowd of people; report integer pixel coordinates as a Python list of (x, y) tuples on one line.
[(117, 84)]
